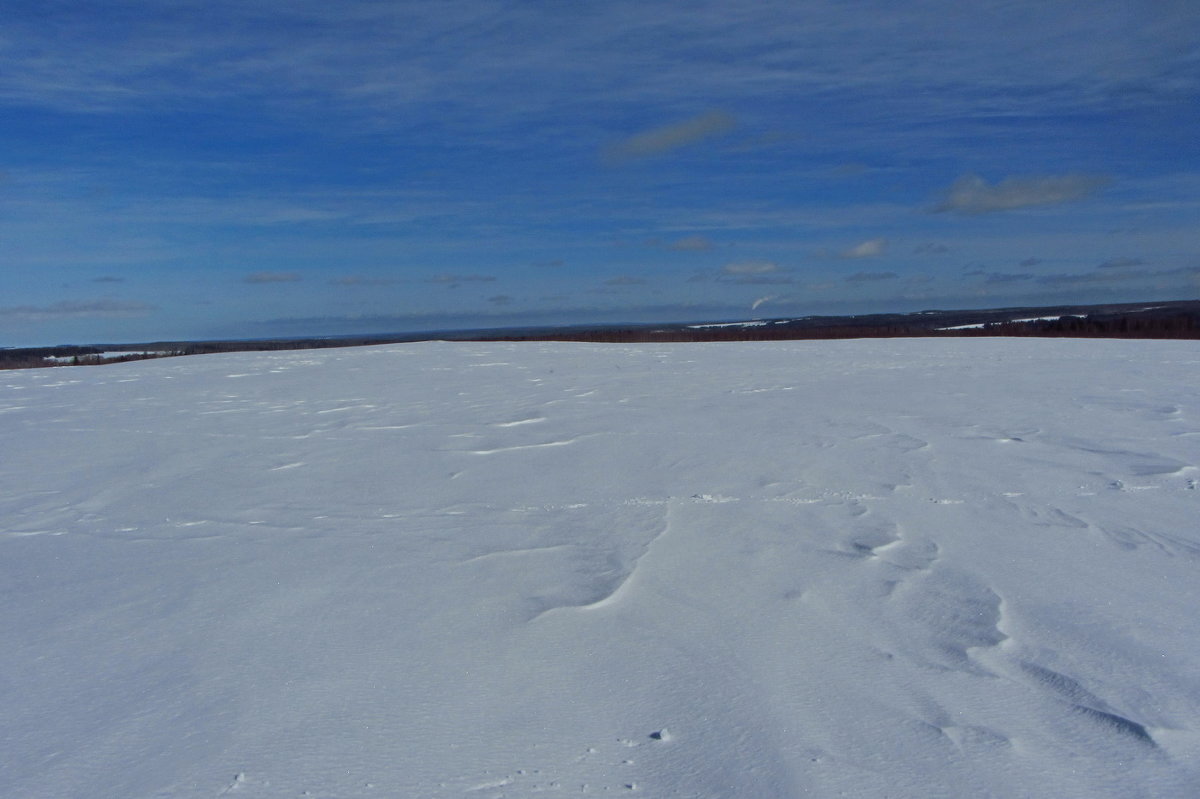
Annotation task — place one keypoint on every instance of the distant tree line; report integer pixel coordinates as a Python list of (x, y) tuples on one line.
[(70, 355), (780, 332), (1167, 326), (31, 357), (1171, 322)]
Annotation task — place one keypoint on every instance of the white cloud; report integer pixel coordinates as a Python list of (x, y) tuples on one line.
[(867, 249), (754, 305), (750, 268), (971, 194)]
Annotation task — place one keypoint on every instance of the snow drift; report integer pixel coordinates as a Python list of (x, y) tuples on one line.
[(906, 568)]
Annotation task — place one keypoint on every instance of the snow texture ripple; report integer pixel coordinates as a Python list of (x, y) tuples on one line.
[(904, 568)]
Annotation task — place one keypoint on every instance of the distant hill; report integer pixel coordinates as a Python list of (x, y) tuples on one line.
[(1150, 320)]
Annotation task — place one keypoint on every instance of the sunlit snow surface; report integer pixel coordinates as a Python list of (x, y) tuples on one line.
[(903, 568)]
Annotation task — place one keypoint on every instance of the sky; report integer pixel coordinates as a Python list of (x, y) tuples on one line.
[(187, 169)]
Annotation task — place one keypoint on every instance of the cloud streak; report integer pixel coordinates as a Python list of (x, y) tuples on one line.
[(999, 278), (455, 280), (971, 194), (871, 277), (348, 53), (271, 277), (361, 280), (691, 244), (1121, 263), (867, 249), (750, 268), (753, 273), (668, 138), (93, 309)]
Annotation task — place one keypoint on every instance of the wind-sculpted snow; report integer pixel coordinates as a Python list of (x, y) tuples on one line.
[(905, 568)]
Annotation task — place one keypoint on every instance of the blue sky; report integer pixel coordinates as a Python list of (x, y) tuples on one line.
[(179, 169)]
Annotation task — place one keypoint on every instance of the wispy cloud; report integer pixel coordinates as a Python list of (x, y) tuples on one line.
[(1109, 276), (871, 277), (996, 278), (867, 249), (271, 277), (753, 273), (500, 315), (971, 194), (359, 280), (1085, 278), (665, 139), (343, 52), (750, 268), (1121, 263), (77, 310), (455, 280), (625, 280), (691, 244), (500, 300)]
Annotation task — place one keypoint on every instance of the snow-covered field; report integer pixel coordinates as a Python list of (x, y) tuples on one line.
[(881, 568)]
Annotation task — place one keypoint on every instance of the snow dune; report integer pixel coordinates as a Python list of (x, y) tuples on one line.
[(903, 568)]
